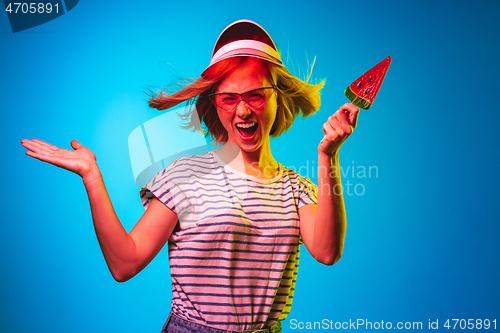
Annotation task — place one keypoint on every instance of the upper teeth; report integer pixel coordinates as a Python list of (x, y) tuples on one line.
[(245, 125)]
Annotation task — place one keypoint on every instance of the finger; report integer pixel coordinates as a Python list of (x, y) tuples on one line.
[(331, 130), (35, 154), (337, 125), (75, 144), (45, 144), (339, 129), (40, 147), (324, 138), (352, 112), (342, 117), (343, 121), (44, 157), (51, 159), (328, 129), (329, 133), (37, 146)]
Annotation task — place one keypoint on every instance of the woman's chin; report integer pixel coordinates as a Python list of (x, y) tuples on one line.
[(246, 144), (250, 146)]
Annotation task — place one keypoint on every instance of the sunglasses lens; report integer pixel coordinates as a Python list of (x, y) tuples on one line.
[(257, 98), (226, 101)]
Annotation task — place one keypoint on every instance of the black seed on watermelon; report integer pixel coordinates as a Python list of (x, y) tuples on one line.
[(367, 91), (360, 85), (371, 79)]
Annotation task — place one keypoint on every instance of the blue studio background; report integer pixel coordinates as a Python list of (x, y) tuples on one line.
[(422, 227)]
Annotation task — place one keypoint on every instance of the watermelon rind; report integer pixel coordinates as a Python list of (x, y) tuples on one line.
[(357, 100)]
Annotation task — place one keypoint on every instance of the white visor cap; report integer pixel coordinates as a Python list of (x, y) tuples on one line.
[(245, 38)]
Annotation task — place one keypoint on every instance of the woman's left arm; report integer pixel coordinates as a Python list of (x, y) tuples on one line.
[(323, 226)]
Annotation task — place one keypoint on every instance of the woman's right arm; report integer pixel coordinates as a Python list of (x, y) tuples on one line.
[(126, 253)]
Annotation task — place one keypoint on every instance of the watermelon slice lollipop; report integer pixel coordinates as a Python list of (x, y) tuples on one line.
[(363, 91)]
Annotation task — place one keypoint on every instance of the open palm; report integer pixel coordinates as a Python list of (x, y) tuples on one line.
[(80, 160)]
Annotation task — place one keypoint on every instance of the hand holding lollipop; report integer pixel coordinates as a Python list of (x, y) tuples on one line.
[(361, 93)]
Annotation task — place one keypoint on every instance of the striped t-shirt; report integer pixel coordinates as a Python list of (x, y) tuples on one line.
[(234, 253)]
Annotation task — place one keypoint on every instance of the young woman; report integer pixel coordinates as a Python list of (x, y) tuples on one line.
[(234, 217)]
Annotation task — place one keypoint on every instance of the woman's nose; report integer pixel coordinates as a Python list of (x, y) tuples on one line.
[(243, 110)]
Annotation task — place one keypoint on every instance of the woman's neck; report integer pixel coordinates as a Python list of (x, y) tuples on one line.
[(260, 164)]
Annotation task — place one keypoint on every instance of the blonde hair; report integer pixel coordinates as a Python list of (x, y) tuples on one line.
[(295, 97)]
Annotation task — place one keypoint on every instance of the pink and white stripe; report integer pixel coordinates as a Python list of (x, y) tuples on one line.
[(235, 251)]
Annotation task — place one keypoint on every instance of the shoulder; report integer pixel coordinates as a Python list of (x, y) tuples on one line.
[(295, 178), (305, 191), (183, 169), (175, 178), (188, 165)]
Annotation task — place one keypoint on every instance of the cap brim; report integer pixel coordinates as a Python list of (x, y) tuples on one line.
[(246, 53)]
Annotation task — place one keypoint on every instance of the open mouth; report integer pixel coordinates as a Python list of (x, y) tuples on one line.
[(247, 131)]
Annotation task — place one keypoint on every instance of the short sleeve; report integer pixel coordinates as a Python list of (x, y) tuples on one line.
[(308, 192), (163, 187)]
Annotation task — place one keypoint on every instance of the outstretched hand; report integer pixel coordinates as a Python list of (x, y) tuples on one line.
[(81, 160), (338, 128)]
